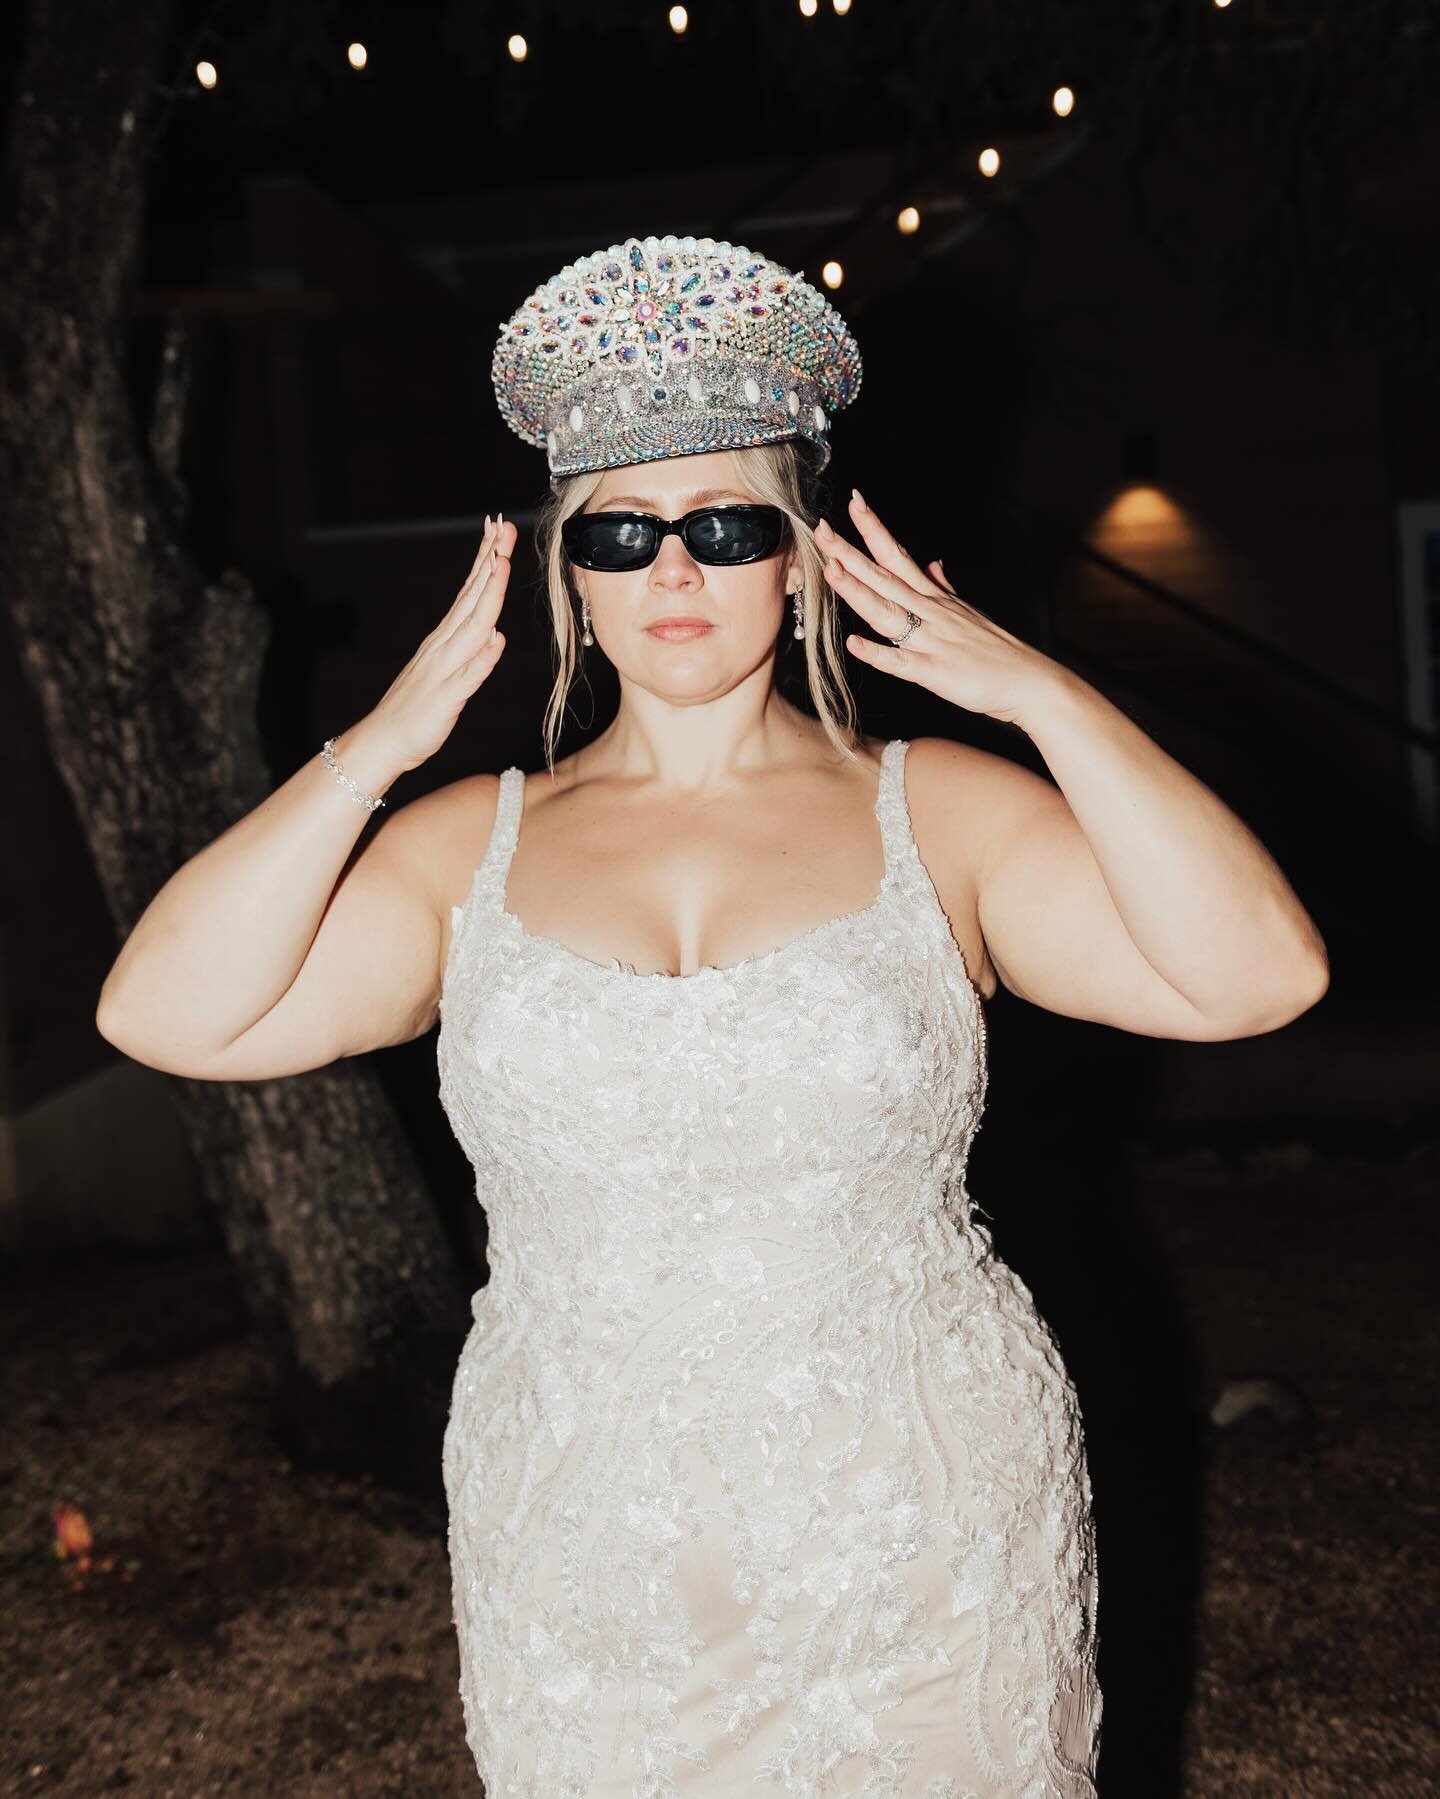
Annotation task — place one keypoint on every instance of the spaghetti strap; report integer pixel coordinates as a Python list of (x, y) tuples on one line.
[(890, 807), (505, 832)]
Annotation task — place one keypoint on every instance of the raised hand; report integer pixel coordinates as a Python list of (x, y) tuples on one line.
[(420, 707), (955, 651)]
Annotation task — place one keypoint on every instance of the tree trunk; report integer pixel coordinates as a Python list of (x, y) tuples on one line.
[(146, 674)]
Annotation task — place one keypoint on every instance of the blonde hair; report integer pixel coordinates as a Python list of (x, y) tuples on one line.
[(776, 476)]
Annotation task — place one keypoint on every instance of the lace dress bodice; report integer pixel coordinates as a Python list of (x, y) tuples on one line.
[(764, 1473)]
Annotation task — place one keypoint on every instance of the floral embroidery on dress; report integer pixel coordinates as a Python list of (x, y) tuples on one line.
[(765, 1474)]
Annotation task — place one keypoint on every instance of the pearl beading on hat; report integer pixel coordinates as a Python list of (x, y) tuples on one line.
[(666, 346)]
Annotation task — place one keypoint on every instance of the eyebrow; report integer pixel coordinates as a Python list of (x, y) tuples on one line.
[(647, 503)]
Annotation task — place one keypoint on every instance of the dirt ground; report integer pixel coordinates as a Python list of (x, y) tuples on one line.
[(261, 1631)]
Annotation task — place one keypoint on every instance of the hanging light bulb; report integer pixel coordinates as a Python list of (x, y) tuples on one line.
[(832, 274), (679, 19), (357, 56), (1063, 100), (518, 48), (989, 161), (908, 219), (206, 74), (809, 8), (841, 7), (1222, 4)]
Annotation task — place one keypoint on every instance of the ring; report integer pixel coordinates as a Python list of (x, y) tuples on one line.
[(914, 618)]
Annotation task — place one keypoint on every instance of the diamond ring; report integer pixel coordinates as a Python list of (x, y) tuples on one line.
[(914, 622)]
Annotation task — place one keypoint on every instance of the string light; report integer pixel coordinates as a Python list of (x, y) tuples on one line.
[(908, 219), (358, 56), (842, 7), (989, 161), (206, 74), (1222, 4), (518, 48), (679, 19), (1063, 100), (832, 274), (809, 8)]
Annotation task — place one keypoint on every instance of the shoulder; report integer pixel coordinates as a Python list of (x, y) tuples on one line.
[(440, 838), (968, 801), (965, 804)]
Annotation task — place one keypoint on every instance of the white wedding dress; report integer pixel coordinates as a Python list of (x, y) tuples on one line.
[(764, 1473)]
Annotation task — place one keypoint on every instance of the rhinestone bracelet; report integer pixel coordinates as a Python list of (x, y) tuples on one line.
[(368, 801)]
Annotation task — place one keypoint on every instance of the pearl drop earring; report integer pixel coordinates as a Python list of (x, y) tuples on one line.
[(799, 598), (586, 636)]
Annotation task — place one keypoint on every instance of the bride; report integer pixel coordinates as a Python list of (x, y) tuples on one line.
[(764, 1472)]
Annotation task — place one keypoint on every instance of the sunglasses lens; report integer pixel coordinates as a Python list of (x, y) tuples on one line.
[(735, 534), (595, 541), (716, 535)]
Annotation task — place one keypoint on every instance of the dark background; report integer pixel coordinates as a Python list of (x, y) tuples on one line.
[(1160, 393)]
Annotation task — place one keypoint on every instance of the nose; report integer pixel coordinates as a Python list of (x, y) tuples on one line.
[(675, 569)]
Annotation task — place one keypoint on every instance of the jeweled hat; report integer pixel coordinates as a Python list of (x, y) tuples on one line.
[(668, 346)]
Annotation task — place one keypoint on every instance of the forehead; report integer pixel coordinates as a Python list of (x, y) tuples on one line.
[(677, 482)]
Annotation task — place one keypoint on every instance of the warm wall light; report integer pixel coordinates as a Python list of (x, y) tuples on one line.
[(679, 19), (206, 74), (989, 161), (908, 219), (832, 274), (1063, 100), (809, 8), (357, 56), (518, 48)]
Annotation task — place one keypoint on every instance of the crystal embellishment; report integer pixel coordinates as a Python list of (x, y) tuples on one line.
[(778, 359)]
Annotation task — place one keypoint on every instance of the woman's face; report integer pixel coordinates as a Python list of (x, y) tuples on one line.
[(741, 608)]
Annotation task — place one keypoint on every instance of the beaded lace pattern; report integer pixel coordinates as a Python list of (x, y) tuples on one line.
[(764, 1472)]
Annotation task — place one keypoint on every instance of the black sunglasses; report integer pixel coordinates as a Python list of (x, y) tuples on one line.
[(722, 536)]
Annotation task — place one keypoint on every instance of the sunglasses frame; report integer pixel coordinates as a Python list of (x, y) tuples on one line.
[(678, 527)]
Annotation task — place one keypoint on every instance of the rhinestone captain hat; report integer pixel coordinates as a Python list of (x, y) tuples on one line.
[(667, 346)]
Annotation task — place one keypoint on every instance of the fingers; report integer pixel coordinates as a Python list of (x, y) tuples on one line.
[(939, 577), (909, 588), (880, 612), (881, 544), (484, 583)]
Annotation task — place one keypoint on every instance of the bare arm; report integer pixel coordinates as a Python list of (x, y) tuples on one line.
[(1129, 893), (276, 948)]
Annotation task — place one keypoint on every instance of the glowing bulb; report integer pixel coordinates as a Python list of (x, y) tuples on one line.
[(842, 7), (809, 8), (989, 161), (832, 274), (518, 48), (1222, 4), (358, 56), (1063, 100), (679, 19), (908, 219), (206, 74)]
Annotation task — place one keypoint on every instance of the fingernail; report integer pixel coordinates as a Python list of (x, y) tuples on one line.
[(487, 521), (859, 499)]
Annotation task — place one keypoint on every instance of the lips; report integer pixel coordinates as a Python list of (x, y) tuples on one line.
[(657, 624)]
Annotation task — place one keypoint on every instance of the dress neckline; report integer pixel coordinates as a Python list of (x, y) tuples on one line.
[(892, 767)]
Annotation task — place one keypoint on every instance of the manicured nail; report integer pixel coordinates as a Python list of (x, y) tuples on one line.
[(859, 499), (487, 521)]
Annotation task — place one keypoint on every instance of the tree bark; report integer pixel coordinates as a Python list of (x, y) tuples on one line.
[(146, 674)]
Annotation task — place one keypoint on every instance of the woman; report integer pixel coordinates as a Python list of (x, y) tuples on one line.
[(764, 1472)]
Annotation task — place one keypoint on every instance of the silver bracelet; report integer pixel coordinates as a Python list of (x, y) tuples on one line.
[(368, 801)]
